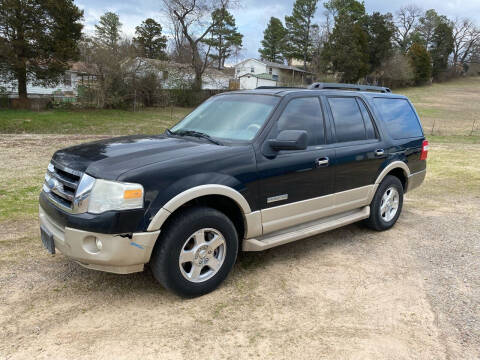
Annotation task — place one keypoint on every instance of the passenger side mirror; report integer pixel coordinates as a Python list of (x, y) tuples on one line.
[(290, 140)]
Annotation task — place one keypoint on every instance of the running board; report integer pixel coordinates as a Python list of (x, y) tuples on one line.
[(305, 230)]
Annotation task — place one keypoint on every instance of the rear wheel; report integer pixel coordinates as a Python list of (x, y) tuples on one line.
[(195, 252), (386, 205)]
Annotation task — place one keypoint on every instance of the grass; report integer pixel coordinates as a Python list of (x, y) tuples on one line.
[(110, 122), (454, 139), (19, 201), (448, 108)]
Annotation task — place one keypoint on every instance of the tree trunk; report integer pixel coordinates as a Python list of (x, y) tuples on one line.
[(22, 83), (197, 83), (197, 66), (220, 53)]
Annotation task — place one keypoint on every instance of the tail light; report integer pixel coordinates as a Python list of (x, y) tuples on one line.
[(424, 153)]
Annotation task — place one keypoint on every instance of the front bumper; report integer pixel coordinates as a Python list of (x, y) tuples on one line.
[(120, 254)]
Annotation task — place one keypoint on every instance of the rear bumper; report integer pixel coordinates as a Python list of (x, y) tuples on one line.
[(118, 254), (416, 179)]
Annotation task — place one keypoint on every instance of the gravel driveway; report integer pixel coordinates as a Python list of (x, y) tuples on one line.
[(410, 293)]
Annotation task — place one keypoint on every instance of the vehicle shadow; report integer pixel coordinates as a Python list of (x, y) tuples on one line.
[(68, 274)]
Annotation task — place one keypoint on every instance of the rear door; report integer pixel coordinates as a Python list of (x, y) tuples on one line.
[(290, 181), (359, 150)]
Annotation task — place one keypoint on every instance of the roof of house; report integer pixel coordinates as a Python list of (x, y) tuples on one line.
[(81, 67), (163, 64), (274, 64), (264, 76)]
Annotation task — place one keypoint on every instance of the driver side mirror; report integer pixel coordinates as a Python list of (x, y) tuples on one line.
[(290, 140)]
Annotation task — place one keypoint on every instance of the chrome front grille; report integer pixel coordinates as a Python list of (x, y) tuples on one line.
[(60, 185)]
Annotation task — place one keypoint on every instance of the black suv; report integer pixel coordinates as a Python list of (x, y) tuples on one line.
[(245, 170)]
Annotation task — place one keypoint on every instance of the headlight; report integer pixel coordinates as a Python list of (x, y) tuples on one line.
[(113, 195)]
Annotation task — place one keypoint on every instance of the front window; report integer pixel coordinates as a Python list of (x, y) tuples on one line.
[(229, 117)]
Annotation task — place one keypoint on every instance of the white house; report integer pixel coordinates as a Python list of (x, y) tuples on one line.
[(252, 73), (175, 75), (78, 74)]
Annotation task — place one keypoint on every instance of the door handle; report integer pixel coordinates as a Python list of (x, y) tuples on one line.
[(323, 161), (379, 152)]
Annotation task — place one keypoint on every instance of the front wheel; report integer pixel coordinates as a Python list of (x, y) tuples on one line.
[(386, 205), (195, 252)]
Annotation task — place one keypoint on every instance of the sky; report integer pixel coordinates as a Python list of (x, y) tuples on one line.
[(252, 16)]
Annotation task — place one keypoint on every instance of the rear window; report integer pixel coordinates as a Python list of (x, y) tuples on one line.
[(399, 117)]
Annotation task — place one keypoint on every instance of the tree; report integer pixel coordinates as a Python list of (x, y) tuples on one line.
[(347, 49), (352, 8), (150, 42), (224, 36), (107, 31), (273, 43), (299, 27), (406, 23), (426, 26), (421, 63), (380, 30), (188, 17), (466, 38), (441, 48), (37, 39)]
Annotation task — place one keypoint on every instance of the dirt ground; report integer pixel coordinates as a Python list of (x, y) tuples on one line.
[(410, 293)]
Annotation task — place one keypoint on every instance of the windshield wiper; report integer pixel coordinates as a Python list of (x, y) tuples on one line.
[(195, 134)]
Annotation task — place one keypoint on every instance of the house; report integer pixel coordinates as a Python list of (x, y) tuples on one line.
[(175, 75), (78, 74), (252, 73), (172, 76)]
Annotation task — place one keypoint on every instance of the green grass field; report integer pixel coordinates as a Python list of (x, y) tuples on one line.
[(450, 108), (110, 122)]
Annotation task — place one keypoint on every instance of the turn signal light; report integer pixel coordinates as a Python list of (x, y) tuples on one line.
[(133, 194)]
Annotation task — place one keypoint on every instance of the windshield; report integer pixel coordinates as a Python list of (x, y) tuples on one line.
[(233, 117)]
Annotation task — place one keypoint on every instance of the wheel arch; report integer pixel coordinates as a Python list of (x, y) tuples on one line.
[(398, 169), (220, 197)]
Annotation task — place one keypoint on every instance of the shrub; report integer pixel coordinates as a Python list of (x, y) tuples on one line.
[(396, 72), (421, 62)]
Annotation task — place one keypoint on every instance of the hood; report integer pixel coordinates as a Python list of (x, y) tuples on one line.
[(107, 159)]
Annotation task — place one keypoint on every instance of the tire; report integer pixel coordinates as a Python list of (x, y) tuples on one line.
[(382, 219), (196, 238)]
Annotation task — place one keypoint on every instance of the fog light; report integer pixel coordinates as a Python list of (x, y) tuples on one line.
[(99, 244)]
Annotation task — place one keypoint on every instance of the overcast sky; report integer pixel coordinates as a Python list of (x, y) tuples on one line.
[(252, 16)]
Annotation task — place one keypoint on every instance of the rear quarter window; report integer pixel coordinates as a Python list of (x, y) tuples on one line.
[(399, 118)]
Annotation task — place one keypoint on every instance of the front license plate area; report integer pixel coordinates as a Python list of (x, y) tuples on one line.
[(47, 240)]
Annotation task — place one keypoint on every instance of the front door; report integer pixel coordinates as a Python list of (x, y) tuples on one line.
[(294, 184)]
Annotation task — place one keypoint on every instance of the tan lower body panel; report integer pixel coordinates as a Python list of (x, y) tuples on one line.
[(306, 230), (288, 215)]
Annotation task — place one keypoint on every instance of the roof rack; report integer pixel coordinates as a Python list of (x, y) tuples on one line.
[(276, 87), (336, 86)]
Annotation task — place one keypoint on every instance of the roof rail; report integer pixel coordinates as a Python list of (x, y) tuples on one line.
[(337, 86), (276, 87)]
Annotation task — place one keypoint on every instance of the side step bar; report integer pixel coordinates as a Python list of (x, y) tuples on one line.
[(305, 230)]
